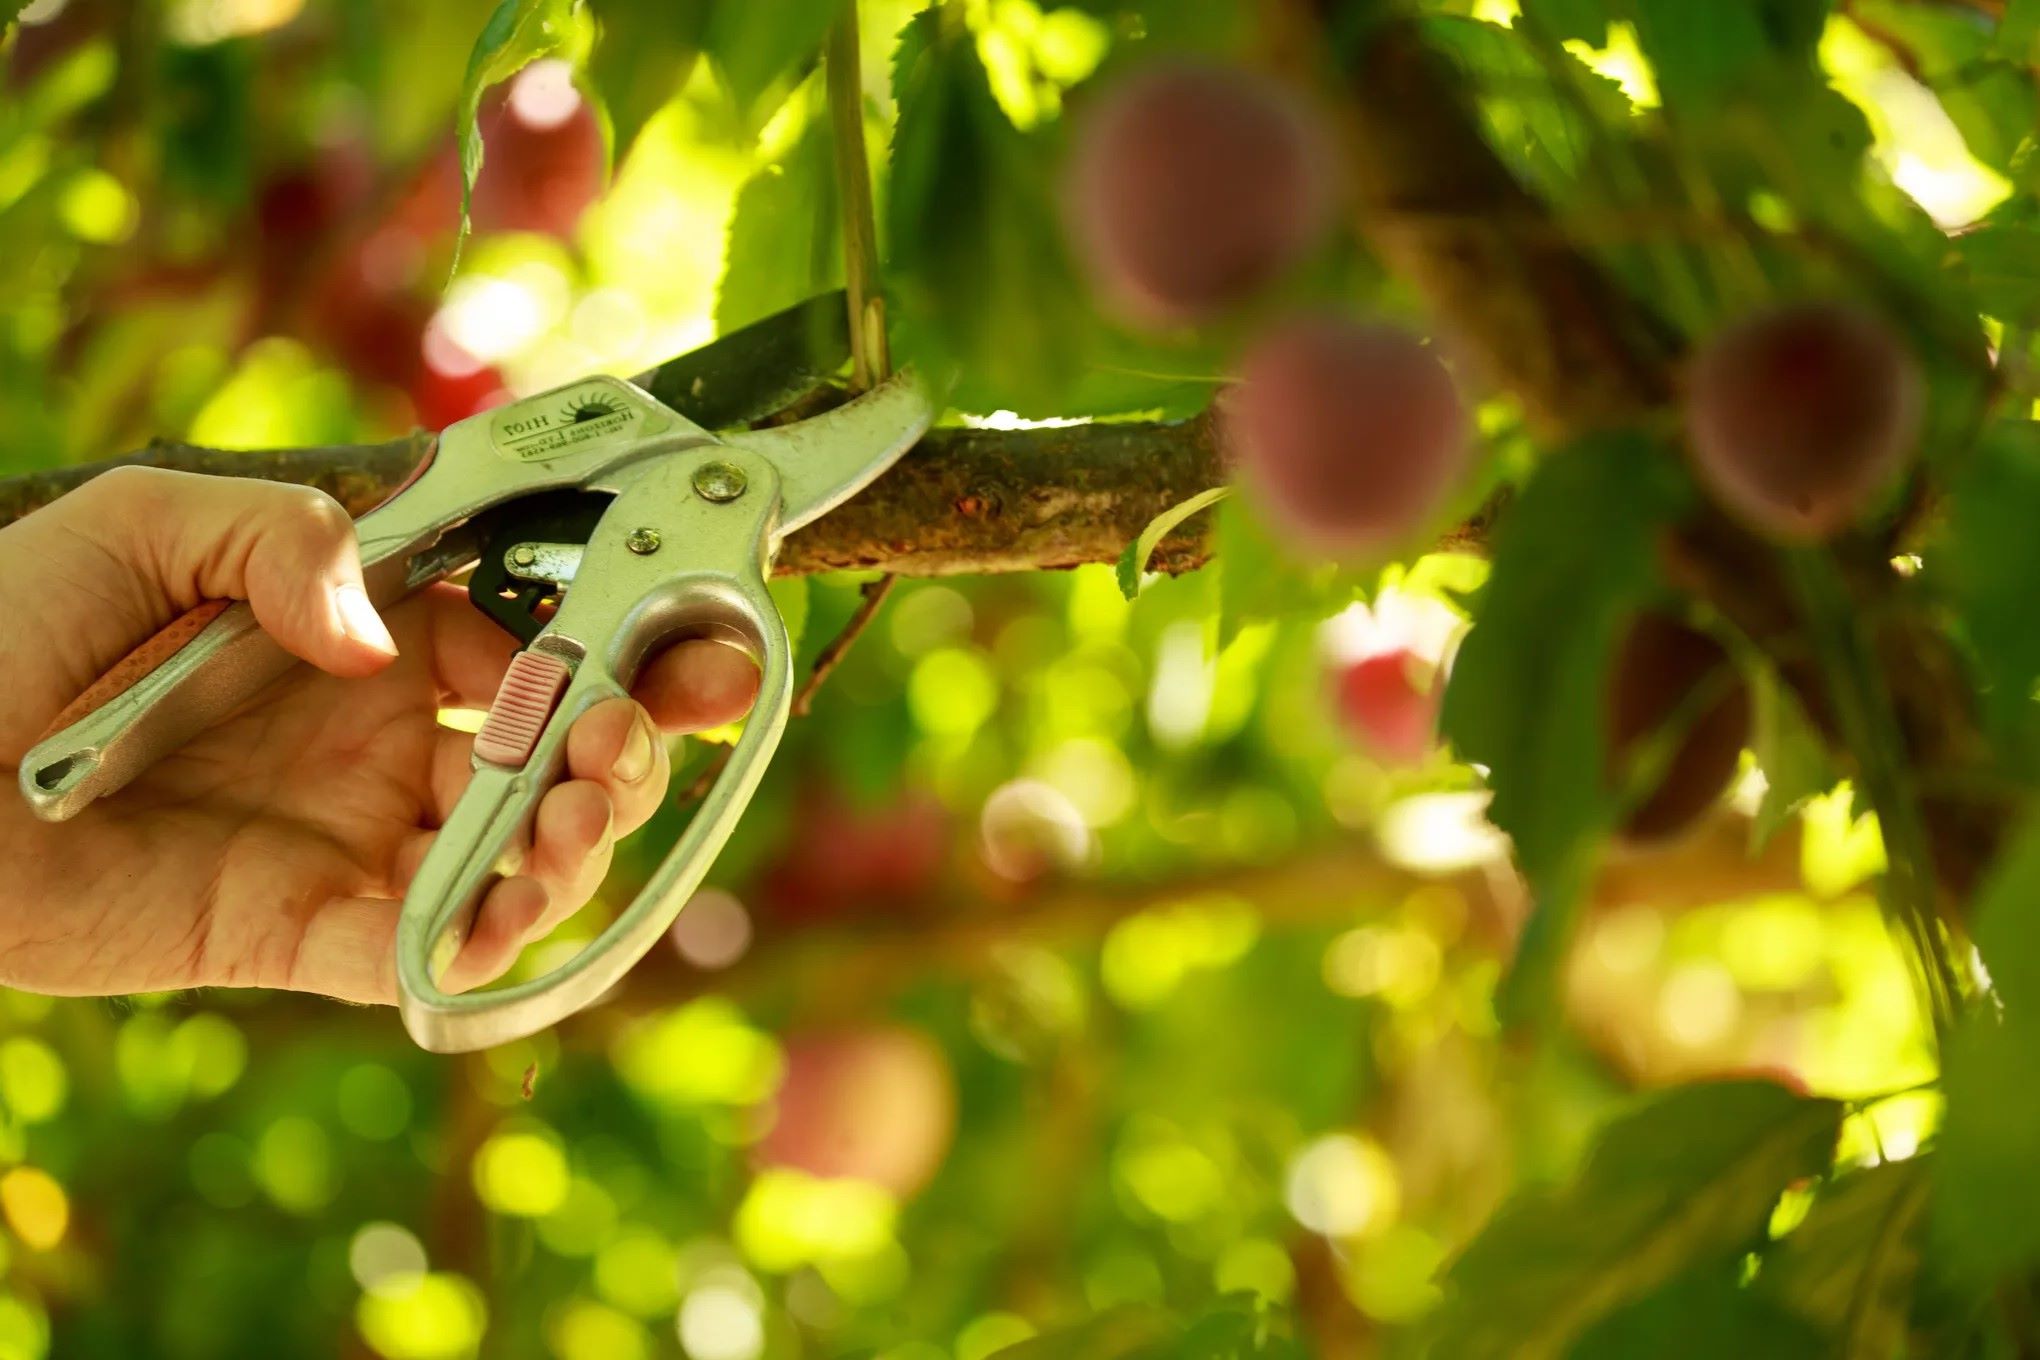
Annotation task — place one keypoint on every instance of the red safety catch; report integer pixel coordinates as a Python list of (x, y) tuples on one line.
[(531, 689)]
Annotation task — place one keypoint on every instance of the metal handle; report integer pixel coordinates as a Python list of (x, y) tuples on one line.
[(624, 603), (165, 692)]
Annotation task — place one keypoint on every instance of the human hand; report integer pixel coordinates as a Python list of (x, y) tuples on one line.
[(274, 849)]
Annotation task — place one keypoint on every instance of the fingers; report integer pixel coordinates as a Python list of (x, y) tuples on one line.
[(615, 747), (693, 686), (289, 551)]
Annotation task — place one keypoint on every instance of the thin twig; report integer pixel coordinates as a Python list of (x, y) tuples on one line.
[(874, 593)]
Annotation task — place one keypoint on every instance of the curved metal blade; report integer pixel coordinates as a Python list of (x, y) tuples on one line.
[(826, 459)]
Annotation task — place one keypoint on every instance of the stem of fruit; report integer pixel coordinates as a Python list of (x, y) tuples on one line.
[(1869, 726)]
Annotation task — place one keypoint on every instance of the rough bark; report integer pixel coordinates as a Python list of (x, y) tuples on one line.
[(963, 501)]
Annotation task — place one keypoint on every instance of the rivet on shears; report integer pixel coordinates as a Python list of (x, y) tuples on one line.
[(719, 481), (643, 541)]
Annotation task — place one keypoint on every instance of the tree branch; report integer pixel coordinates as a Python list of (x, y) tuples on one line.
[(964, 501)]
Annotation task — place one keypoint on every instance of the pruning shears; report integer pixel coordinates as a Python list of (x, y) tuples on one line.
[(646, 528)]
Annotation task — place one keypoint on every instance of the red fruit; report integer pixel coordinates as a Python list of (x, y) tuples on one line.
[(541, 155), (1799, 417), (1192, 186), (1390, 701), (1349, 435), (441, 399), (843, 857), (1669, 674), (876, 1103)]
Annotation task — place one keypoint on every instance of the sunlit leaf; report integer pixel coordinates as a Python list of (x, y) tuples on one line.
[(1688, 1178), (983, 286), (1794, 761), (643, 52), (757, 46), (1134, 560), (518, 33), (786, 236)]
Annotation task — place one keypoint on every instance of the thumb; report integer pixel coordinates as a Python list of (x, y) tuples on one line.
[(289, 551)]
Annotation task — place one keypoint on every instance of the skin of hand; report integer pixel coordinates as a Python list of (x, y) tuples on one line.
[(274, 849)]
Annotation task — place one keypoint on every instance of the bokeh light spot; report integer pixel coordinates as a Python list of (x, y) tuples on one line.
[(438, 1317), (1343, 1186), (33, 1083), (35, 1206), (521, 1172)]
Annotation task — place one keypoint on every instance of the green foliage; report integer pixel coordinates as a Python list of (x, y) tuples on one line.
[(758, 47), (1133, 562), (1688, 1179), (1218, 987), (1572, 560), (518, 33), (975, 248), (1991, 553), (786, 237), (1986, 1215), (1849, 1268), (644, 50)]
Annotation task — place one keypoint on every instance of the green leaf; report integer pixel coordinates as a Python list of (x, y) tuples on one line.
[(1790, 753), (791, 594), (1703, 1315), (1525, 699), (2018, 33), (983, 288), (1703, 55), (1850, 1267), (643, 52), (1990, 556), (1986, 1214), (1259, 579), (786, 235), (2003, 262), (1133, 562), (10, 10), (1688, 1178), (518, 33), (1586, 20), (760, 47)]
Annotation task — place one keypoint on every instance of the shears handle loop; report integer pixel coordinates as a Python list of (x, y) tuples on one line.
[(665, 563)]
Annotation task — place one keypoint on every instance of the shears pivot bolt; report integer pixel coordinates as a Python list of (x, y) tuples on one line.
[(719, 482), (643, 541), (524, 555)]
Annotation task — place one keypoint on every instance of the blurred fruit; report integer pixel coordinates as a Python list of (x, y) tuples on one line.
[(875, 1102), (375, 332), (1192, 186), (843, 857), (1664, 673), (1390, 703), (1800, 416), (542, 156), (1349, 435), (441, 398), (303, 214)]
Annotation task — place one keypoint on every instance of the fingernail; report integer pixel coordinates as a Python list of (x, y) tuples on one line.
[(636, 760), (359, 620)]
